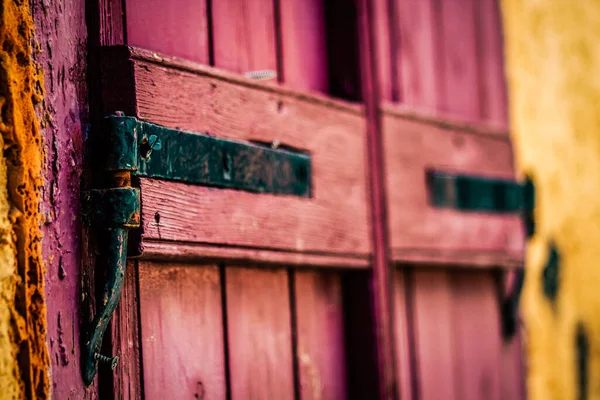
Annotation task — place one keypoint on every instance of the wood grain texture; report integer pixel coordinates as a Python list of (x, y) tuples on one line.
[(320, 332), (178, 28), (385, 25), (112, 24), (417, 52), (491, 66), (403, 335), (304, 53), (411, 148), (61, 31), (477, 335), (194, 252), (182, 331), (382, 275), (460, 80), (333, 220), (244, 35), (125, 339), (259, 334), (434, 336)]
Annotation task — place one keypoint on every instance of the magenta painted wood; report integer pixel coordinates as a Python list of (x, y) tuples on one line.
[(434, 336), (381, 282), (417, 53), (244, 35), (458, 37), (303, 44), (182, 331), (320, 332), (178, 28), (60, 30), (477, 340), (259, 333), (490, 50)]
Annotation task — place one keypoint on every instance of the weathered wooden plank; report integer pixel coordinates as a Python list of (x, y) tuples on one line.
[(125, 339), (477, 335), (178, 212), (491, 66), (194, 252), (304, 54), (178, 28), (385, 40), (382, 275), (182, 331), (259, 333), (458, 37), (320, 332), (333, 220), (403, 334), (411, 148), (434, 335), (417, 53), (513, 371), (244, 35)]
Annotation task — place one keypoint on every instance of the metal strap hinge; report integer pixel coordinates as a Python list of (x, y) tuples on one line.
[(467, 193), (131, 147)]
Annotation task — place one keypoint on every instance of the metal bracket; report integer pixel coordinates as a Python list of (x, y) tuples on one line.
[(153, 151), (478, 194), (135, 148), (117, 210)]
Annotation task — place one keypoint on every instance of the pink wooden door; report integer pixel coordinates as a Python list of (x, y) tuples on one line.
[(234, 295)]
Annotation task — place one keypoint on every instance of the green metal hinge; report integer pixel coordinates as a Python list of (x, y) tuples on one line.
[(150, 150), (479, 194), (135, 148), (497, 196)]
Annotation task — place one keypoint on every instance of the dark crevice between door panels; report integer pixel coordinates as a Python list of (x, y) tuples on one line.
[(223, 282)]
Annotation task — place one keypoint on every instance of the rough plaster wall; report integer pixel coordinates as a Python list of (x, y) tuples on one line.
[(553, 66), (23, 352)]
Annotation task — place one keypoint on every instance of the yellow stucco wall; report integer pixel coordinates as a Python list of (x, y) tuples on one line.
[(552, 52), (24, 360)]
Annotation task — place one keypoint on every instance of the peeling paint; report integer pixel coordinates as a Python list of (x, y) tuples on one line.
[(25, 360)]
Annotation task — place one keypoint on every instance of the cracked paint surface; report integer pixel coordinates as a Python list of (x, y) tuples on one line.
[(553, 58)]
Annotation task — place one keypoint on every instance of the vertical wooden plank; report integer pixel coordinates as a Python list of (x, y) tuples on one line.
[(259, 334), (304, 52), (402, 332), (182, 331), (460, 80), (491, 65), (418, 60), (434, 335), (125, 339), (477, 335), (177, 28), (321, 354), (384, 36), (382, 274), (244, 35)]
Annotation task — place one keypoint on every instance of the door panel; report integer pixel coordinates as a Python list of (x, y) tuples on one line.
[(182, 331), (417, 230), (320, 330), (259, 333), (244, 35), (333, 220), (179, 28), (477, 343)]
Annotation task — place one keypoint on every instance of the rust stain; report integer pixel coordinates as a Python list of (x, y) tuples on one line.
[(21, 87)]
